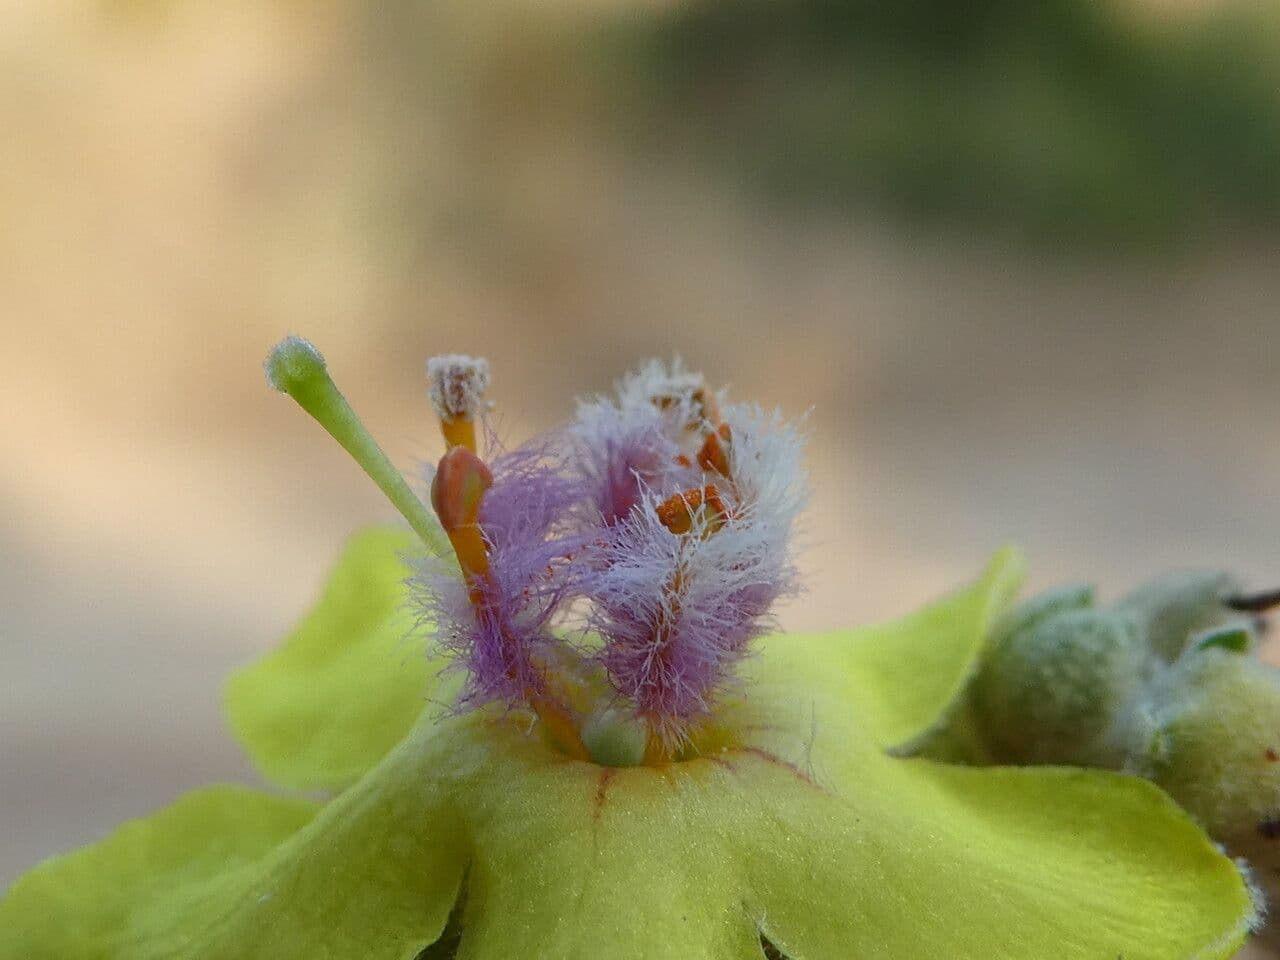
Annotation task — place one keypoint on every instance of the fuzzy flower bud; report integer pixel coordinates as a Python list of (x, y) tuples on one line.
[(1162, 685), (1050, 688), (1062, 678), (1213, 742)]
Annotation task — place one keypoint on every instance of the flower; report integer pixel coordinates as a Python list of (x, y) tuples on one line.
[(790, 821)]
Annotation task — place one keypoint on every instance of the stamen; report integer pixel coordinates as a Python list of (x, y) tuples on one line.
[(297, 368), (678, 512), (457, 491), (456, 386)]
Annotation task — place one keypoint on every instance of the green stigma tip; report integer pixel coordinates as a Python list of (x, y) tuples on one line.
[(294, 366), (293, 362)]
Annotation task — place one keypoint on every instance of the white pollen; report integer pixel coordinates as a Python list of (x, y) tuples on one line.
[(456, 384)]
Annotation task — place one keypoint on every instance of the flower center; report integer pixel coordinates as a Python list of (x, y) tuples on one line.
[(613, 573)]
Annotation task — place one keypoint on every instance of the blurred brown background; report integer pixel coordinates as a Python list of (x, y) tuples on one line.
[(181, 183)]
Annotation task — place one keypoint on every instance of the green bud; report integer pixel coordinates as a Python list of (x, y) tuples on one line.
[(1048, 692), (1215, 744), (1075, 596), (1215, 748), (1176, 605)]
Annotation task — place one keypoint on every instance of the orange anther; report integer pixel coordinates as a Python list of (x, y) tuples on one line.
[(677, 512), (456, 493), (703, 407), (458, 487), (706, 401), (714, 454)]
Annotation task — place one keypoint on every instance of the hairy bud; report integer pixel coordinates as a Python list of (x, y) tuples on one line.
[(1051, 686), (1215, 741)]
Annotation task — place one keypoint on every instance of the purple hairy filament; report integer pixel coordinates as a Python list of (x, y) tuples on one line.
[(459, 486), (558, 720), (678, 513)]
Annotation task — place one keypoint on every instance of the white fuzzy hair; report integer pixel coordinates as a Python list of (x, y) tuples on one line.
[(769, 482), (656, 379), (456, 384)]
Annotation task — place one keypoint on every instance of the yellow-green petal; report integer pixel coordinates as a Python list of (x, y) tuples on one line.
[(904, 676), (805, 829), (126, 897), (373, 877), (231, 874), (347, 684), (802, 827), (931, 862), (582, 863), (987, 862)]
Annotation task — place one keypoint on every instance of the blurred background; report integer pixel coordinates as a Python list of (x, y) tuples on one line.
[(1020, 261)]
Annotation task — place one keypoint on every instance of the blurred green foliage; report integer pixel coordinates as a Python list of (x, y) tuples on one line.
[(1063, 120)]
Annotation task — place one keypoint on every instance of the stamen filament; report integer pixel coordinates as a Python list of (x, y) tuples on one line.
[(562, 726), (457, 492), (297, 368), (679, 513), (459, 433)]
